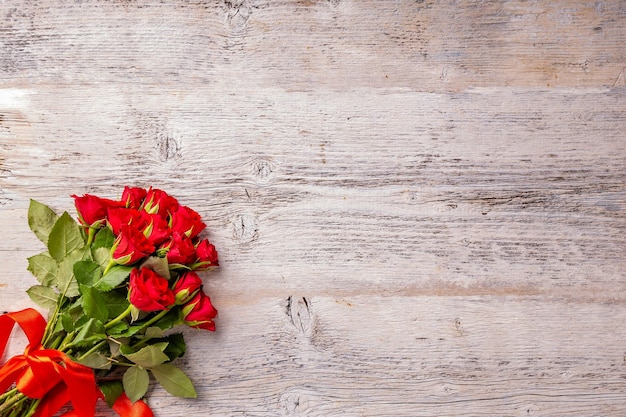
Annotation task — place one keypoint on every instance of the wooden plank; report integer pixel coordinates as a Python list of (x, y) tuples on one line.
[(305, 45), (419, 206), (414, 356), (407, 356), (482, 192)]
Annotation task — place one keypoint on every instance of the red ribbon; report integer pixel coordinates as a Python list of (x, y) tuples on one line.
[(50, 375)]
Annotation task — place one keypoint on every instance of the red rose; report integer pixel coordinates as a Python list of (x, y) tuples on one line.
[(180, 249), (186, 287), (187, 221), (159, 202), (199, 312), (153, 226), (206, 256), (133, 197), (119, 217), (92, 210), (157, 231), (148, 291), (123, 406), (130, 246)]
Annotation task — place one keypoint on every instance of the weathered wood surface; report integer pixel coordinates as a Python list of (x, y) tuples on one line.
[(419, 205)]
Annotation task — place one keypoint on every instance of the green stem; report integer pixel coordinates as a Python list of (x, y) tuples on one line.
[(8, 394), (15, 413), (55, 342), (119, 318), (90, 235), (111, 264), (66, 341), (117, 363), (53, 322), (155, 319), (141, 343), (92, 350), (13, 401), (32, 408)]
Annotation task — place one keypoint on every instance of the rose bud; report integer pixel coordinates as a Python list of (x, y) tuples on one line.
[(130, 246), (206, 256), (187, 287), (92, 210), (180, 249), (159, 202), (148, 291), (133, 197), (199, 312), (187, 221), (157, 230)]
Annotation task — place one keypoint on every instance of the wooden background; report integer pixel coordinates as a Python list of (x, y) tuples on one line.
[(420, 206)]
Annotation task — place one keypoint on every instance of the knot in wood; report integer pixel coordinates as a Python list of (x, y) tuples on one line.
[(301, 402), (458, 326), (262, 169), (237, 14), (300, 315), (245, 228), (295, 404), (167, 146)]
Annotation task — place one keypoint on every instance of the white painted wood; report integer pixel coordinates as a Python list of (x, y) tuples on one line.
[(419, 206)]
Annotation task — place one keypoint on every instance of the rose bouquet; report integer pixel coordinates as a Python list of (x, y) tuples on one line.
[(115, 282)]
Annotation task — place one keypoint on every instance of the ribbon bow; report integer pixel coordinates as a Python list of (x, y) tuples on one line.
[(51, 376)]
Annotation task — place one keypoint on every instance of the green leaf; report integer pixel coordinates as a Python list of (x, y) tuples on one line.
[(41, 219), (87, 272), (153, 332), (171, 319), (160, 345), (44, 268), (135, 382), (102, 256), (82, 319), (116, 302), (176, 346), (58, 327), (90, 333), (68, 322), (148, 356), (120, 345), (104, 239), (158, 265), (113, 278), (96, 360), (64, 238), (129, 331), (66, 280), (67, 283), (75, 310), (43, 296), (111, 390), (118, 329), (174, 381), (94, 304)]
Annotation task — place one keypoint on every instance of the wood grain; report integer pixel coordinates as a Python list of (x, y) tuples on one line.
[(419, 206)]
